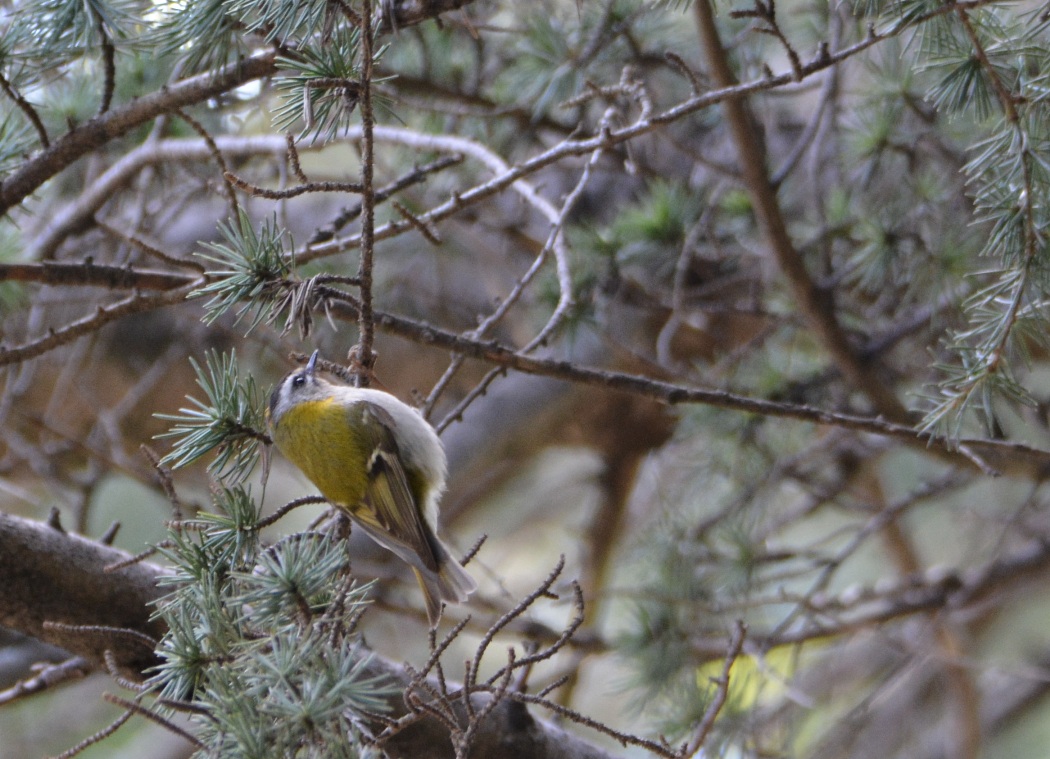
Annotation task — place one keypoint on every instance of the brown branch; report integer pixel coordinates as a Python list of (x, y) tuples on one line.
[(911, 596), (216, 154), (291, 192), (27, 108), (287, 508), (293, 160), (152, 716), (624, 739), (150, 250), (736, 644), (98, 737), (1009, 456), (818, 308), (90, 273), (417, 175), (95, 133), (107, 632), (366, 318), (134, 304), (55, 577), (109, 67), (1006, 100), (428, 233), (815, 303)]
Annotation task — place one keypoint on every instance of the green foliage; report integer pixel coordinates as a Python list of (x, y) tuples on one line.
[(201, 32), (658, 222), (15, 140), (563, 47), (259, 640), (251, 267), (297, 579), (546, 73), (1010, 183), (650, 233), (280, 20), (230, 422), (65, 27), (322, 87)]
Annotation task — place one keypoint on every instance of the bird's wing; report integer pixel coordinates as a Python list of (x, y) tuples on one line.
[(389, 512)]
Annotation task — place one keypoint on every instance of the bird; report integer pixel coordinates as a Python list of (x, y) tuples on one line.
[(377, 459)]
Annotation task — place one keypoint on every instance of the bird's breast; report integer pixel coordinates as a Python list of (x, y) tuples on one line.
[(316, 437)]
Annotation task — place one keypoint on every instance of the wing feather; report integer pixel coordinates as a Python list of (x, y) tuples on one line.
[(389, 512)]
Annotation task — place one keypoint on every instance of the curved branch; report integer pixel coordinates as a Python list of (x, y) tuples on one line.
[(116, 122)]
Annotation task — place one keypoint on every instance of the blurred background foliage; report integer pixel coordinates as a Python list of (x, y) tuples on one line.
[(894, 593)]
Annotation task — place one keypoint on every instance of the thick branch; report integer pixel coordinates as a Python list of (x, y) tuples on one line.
[(53, 576), (1008, 457)]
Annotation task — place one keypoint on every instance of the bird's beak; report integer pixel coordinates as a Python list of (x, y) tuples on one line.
[(311, 365)]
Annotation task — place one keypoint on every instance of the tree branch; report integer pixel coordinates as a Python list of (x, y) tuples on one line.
[(51, 576), (816, 304), (90, 273), (116, 122)]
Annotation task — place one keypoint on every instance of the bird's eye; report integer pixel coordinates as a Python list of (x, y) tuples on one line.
[(299, 380)]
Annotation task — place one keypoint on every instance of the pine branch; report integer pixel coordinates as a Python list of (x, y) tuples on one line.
[(53, 575), (117, 122)]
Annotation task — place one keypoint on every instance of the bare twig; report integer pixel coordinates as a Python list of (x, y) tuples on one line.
[(109, 68), (134, 304), (137, 558), (291, 192), (152, 716), (288, 507), (98, 737), (27, 108), (216, 154), (417, 175), (624, 739), (543, 589), (115, 633), (736, 644), (46, 677)]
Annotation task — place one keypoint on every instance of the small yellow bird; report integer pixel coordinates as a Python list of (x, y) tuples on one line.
[(378, 460)]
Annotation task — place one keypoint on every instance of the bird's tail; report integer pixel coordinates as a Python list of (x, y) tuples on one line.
[(450, 583)]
